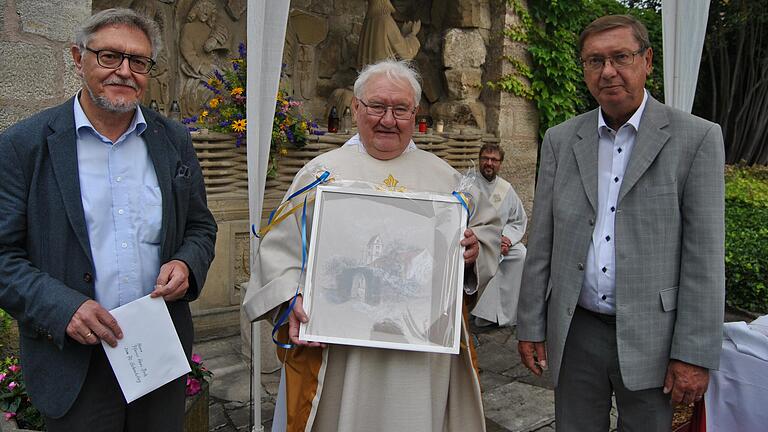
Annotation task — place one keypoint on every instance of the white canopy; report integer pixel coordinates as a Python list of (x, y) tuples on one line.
[(684, 26), (267, 21)]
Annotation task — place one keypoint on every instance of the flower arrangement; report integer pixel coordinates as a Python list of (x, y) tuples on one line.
[(196, 377), (225, 111), (14, 400)]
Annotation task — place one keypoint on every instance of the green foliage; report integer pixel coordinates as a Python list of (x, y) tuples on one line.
[(5, 321), (746, 238), (551, 29)]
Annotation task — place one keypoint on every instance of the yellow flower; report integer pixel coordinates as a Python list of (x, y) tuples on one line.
[(237, 91), (213, 103), (303, 126), (204, 114), (283, 152), (239, 125), (213, 82)]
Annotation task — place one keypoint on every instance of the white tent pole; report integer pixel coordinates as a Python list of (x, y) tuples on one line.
[(266, 25)]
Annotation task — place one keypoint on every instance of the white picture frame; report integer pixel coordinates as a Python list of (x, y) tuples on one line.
[(385, 270)]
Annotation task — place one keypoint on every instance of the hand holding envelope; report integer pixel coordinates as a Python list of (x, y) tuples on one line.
[(150, 354)]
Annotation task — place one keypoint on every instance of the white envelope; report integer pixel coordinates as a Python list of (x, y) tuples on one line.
[(150, 354)]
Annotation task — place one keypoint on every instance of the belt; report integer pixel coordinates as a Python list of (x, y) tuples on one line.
[(605, 318)]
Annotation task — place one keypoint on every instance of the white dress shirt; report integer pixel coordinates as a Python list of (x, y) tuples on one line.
[(123, 210), (598, 292)]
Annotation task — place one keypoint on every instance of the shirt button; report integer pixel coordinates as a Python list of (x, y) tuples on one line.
[(603, 297), (607, 238), (124, 245), (603, 269), (120, 211), (616, 179), (619, 150), (613, 209), (119, 179)]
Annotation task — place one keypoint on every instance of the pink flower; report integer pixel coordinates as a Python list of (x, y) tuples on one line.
[(2, 376), (193, 386), (196, 358), (9, 415), (12, 385), (14, 368)]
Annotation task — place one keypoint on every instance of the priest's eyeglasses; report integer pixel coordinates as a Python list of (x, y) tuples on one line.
[(380, 110), (114, 59), (618, 61)]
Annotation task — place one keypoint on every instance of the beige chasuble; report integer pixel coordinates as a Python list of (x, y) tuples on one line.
[(350, 389)]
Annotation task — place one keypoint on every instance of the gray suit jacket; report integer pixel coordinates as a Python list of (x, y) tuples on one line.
[(669, 233), (46, 268)]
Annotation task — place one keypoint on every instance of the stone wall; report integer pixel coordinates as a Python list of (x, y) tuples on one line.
[(36, 68), (513, 119)]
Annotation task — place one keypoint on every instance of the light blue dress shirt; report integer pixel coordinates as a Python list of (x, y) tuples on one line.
[(123, 210), (598, 293)]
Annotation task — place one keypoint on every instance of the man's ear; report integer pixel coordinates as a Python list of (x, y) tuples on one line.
[(77, 58), (648, 60)]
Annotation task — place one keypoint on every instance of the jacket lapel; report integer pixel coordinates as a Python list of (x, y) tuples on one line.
[(158, 148), (585, 151), (650, 139), (62, 146)]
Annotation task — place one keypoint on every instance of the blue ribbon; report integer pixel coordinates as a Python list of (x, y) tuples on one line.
[(322, 179), (464, 204), (284, 315)]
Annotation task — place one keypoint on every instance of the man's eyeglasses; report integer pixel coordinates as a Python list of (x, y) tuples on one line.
[(380, 110), (618, 61), (114, 59), (489, 159)]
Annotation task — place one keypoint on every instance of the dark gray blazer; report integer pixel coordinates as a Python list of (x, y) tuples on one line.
[(669, 239), (46, 268)]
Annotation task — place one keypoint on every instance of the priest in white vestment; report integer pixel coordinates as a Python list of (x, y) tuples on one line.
[(498, 304), (347, 388)]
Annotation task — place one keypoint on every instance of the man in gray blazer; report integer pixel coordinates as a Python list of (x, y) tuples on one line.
[(624, 278), (103, 203)]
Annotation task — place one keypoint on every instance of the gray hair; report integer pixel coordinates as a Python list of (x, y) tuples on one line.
[(395, 70), (119, 16)]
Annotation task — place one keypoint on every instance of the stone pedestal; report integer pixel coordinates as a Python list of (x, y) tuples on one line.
[(196, 410), (217, 311)]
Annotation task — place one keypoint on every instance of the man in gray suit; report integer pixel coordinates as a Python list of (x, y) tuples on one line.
[(624, 277), (103, 203)]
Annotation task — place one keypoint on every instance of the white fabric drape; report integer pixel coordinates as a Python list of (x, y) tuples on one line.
[(267, 22), (684, 26)]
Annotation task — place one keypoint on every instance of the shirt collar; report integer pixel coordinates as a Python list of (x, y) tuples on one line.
[(634, 120), (139, 124)]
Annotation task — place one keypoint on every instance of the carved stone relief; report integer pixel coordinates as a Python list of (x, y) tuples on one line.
[(203, 42), (382, 38), (305, 31)]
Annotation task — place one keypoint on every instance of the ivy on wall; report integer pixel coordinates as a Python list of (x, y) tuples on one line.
[(551, 29)]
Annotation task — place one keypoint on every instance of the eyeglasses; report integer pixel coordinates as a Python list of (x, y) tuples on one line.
[(618, 61), (489, 159), (114, 59), (380, 110)]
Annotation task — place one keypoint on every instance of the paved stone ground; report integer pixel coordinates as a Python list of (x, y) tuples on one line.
[(514, 400)]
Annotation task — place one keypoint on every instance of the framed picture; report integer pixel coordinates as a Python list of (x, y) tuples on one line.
[(385, 270)]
